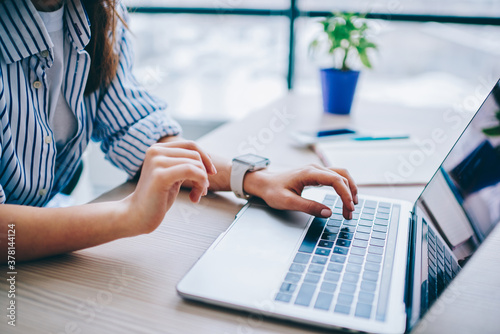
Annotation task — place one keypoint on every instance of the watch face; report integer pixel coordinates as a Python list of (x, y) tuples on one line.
[(252, 159)]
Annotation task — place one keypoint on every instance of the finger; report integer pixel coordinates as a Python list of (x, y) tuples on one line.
[(191, 145), (165, 162), (158, 152), (185, 172), (352, 185), (318, 176), (314, 208)]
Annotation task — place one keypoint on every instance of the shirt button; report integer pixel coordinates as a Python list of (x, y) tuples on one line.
[(48, 139), (37, 84), (44, 53), (42, 192)]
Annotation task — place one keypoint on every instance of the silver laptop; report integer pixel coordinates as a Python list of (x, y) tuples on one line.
[(379, 272)]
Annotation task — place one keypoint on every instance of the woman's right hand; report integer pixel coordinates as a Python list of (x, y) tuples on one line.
[(166, 167)]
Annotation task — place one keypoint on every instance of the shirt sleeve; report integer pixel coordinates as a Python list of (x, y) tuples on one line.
[(128, 119)]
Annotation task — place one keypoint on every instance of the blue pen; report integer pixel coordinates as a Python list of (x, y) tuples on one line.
[(379, 138)]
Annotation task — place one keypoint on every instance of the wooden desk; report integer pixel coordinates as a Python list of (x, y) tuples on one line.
[(129, 285)]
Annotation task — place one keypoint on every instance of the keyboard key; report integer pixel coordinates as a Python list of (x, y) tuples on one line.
[(364, 229), (351, 278), (384, 205), (329, 237), (305, 294), (369, 211), (353, 268), (380, 228), (302, 258), (381, 222), (383, 210), (360, 243), (283, 297), (340, 250), (358, 251), (337, 267), (355, 216), (379, 235), (367, 223), (297, 268), (316, 269), (343, 242), (372, 266), (312, 278), (337, 210), (332, 229), (375, 250), (377, 242), (332, 277), (292, 277), (323, 251), (374, 258), (344, 309), (345, 299), (366, 297), (331, 197), (338, 258), (328, 287), (339, 204), (348, 288), (346, 235), (312, 235), (382, 215), (368, 286), (336, 216), (325, 243), (334, 222), (319, 259), (288, 287), (323, 301), (352, 222), (370, 204), (362, 236), (356, 259), (366, 216), (370, 276), (348, 229), (363, 311)]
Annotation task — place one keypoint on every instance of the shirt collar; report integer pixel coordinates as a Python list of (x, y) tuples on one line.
[(23, 34)]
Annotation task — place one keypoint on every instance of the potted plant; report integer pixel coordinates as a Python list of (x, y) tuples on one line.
[(345, 39)]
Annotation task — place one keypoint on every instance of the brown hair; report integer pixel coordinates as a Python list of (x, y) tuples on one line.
[(104, 61)]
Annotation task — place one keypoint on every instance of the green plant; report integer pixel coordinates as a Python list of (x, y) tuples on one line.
[(346, 33)]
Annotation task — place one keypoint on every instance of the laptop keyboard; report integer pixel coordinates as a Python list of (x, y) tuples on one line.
[(344, 266), (442, 267)]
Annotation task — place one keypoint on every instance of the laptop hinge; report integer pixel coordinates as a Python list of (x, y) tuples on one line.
[(410, 263)]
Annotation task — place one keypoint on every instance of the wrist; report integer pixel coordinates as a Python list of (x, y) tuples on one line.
[(255, 183)]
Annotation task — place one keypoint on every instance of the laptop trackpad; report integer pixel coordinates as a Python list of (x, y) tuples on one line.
[(250, 261)]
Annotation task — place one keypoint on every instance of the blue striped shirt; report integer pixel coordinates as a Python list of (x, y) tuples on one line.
[(123, 116)]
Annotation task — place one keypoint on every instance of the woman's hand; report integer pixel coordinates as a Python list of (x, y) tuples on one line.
[(166, 167), (283, 191)]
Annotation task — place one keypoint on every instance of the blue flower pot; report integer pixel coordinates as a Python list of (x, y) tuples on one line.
[(338, 89)]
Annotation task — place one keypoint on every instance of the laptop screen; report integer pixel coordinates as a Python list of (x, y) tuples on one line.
[(460, 206)]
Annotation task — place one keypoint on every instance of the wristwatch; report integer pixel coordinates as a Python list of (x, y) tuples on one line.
[(242, 165)]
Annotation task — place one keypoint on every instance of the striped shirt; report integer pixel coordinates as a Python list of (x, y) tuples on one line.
[(123, 116)]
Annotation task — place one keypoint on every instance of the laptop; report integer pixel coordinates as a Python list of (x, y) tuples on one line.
[(378, 272)]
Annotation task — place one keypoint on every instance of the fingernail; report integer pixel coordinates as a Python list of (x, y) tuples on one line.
[(352, 206), (214, 170), (326, 213), (356, 199)]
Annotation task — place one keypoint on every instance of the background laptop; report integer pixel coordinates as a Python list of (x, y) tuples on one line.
[(378, 272)]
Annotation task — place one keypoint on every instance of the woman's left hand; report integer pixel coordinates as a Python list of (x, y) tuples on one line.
[(283, 191)]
